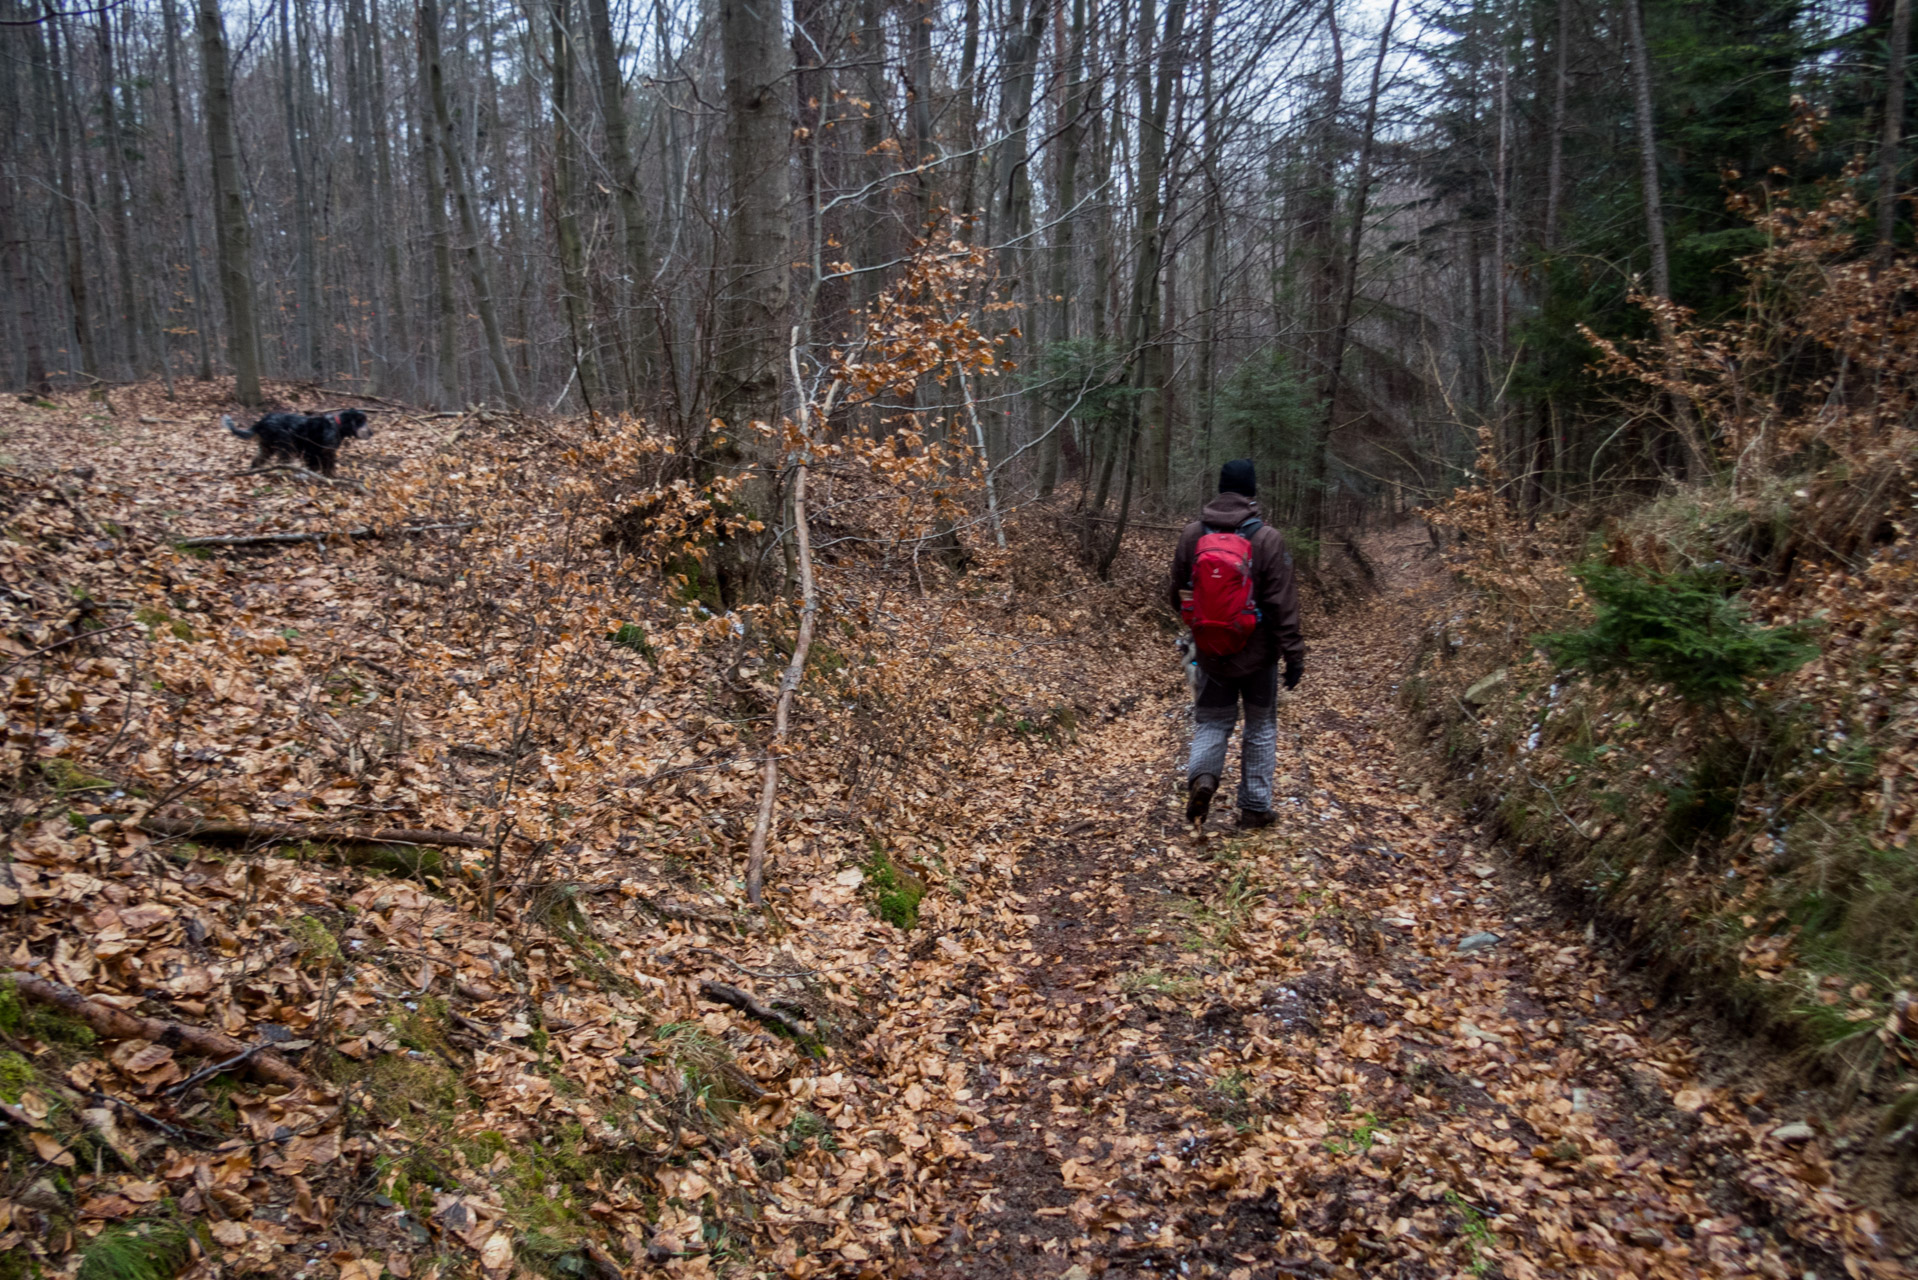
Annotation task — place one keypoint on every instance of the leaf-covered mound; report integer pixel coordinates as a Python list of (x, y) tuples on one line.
[(437, 823)]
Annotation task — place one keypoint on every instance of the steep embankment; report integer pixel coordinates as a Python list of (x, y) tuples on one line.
[(1351, 1042), (376, 897)]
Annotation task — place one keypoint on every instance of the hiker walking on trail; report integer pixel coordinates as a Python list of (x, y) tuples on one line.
[(1232, 583)]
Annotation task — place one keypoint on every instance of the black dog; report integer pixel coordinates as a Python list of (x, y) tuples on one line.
[(312, 440)]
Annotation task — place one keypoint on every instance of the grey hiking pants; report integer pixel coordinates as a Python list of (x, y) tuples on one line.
[(1214, 713)]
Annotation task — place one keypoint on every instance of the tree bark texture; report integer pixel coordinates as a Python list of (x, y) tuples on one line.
[(232, 233), (1890, 146), (479, 275), (633, 232), (1655, 240), (754, 284)]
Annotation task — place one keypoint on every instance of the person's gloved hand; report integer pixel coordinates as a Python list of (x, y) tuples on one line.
[(1294, 672)]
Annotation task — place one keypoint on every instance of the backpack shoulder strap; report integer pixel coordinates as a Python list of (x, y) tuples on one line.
[(1245, 530)]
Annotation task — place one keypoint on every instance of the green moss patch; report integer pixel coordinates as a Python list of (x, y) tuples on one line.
[(20, 1018), (896, 892)]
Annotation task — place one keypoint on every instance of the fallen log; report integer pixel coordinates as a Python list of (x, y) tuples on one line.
[(117, 1024), (287, 539), (195, 828)]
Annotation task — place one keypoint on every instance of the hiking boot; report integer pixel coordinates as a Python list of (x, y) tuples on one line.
[(1198, 799), (1252, 819)]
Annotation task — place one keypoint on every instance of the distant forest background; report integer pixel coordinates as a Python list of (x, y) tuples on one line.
[(1342, 238)]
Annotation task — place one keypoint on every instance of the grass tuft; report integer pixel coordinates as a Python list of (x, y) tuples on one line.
[(1159, 982), (136, 1251)]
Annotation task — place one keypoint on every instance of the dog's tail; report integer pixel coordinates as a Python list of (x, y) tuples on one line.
[(226, 420)]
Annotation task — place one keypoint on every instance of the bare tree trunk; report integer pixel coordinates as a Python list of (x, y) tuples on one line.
[(1010, 207), (132, 331), (1555, 166), (1008, 211), (1647, 149), (809, 89), (1641, 61), (478, 275), (445, 299), (572, 265), (1105, 440), (446, 306), (1111, 552), (1501, 243), (1102, 141), (305, 272), (874, 225), (196, 278), (920, 15), (969, 110), (386, 202), (1155, 104), (232, 237), (1349, 275), (1888, 147), (1058, 284), (13, 232), (53, 100), (635, 246), (1214, 214), (757, 236), (1315, 243)]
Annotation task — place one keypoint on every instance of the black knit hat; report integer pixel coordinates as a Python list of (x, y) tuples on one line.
[(1239, 476)]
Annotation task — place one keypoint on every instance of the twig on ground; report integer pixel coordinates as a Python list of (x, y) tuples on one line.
[(214, 1069), (397, 405), (379, 668), (751, 973), (1552, 795), (173, 1131)]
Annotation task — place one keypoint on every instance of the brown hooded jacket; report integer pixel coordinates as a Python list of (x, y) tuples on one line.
[(1273, 590)]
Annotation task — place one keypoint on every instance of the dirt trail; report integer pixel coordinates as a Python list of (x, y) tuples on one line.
[(1349, 1044)]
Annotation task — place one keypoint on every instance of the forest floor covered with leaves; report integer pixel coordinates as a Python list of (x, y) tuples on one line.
[(374, 906)]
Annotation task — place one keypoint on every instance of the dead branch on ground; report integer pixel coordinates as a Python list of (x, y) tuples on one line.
[(117, 1024), (194, 828), (287, 539)]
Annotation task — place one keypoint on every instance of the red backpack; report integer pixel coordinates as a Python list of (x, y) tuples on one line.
[(1219, 606)]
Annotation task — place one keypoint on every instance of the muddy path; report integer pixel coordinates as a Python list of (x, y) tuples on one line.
[(1352, 1043)]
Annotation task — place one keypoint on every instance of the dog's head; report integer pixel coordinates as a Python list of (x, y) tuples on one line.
[(353, 425)]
